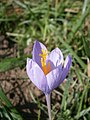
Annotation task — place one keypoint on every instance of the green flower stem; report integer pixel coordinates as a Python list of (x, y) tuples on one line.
[(48, 105)]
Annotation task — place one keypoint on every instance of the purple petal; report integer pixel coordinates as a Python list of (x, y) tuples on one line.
[(53, 78), (66, 68), (36, 75), (37, 50), (55, 58)]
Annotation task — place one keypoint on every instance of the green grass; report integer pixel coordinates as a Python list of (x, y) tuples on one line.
[(56, 24)]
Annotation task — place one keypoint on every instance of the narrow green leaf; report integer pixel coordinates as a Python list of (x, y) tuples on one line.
[(64, 104), (78, 24), (82, 113), (5, 100), (82, 98), (11, 63), (86, 47), (83, 65)]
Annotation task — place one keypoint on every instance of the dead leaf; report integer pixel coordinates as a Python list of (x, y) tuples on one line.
[(88, 68)]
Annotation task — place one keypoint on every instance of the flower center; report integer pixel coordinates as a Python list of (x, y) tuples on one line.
[(45, 67)]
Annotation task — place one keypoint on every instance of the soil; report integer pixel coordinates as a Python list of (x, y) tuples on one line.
[(16, 84)]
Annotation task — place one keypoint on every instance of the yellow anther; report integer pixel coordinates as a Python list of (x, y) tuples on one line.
[(43, 57), (45, 68)]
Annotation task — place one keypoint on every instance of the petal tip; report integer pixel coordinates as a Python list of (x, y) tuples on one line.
[(69, 58), (28, 59), (36, 42), (68, 61)]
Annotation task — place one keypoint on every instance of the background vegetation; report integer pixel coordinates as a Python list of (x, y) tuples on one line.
[(56, 23)]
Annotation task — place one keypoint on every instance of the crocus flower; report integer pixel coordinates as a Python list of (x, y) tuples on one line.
[(47, 70)]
